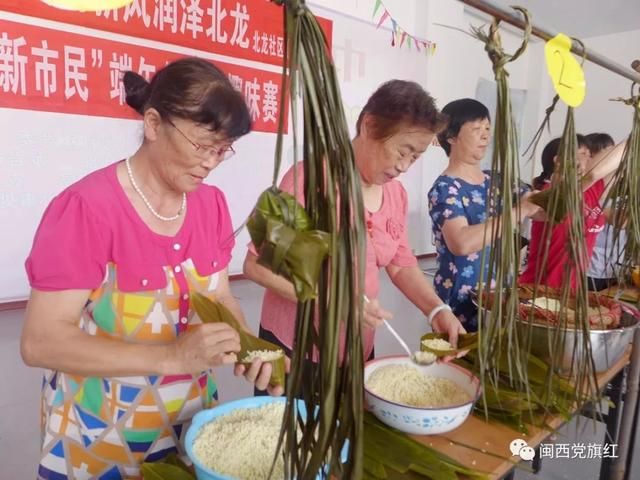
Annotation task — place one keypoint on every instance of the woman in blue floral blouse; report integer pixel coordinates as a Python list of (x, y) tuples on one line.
[(457, 206)]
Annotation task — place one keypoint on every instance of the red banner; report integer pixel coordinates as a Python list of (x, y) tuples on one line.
[(247, 29), (54, 71)]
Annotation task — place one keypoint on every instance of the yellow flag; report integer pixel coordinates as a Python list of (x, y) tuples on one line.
[(565, 71)]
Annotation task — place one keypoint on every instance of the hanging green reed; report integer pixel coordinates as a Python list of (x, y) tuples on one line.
[(498, 329), (332, 388), (566, 195), (624, 196), (563, 204)]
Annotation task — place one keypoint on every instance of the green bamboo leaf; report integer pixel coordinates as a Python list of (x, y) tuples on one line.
[(393, 475), (164, 471), (565, 201), (173, 459), (281, 231), (373, 468), (466, 341), (398, 453), (214, 312), (501, 353)]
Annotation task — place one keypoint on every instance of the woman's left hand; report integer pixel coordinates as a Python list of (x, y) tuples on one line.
[(446, 322), (259, 373)]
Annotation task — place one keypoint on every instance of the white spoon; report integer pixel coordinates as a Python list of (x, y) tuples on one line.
[(420, 358)]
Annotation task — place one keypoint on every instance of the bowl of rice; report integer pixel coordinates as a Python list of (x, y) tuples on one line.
[(419, 399), (238, 440), (558, 340)]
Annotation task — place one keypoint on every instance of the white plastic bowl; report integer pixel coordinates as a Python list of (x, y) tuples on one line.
[(418, 420)]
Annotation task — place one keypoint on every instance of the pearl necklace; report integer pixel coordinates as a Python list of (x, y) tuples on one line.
[(183, 206)]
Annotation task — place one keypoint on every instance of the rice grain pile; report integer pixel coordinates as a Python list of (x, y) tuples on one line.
[(242, 444), (408, 385), (437, 344), (546, 303), (424, 358), (599, 315), (264, 355)]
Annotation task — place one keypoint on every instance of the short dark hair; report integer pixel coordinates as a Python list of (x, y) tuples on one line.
[(548, 154), (598, 142), (193, 89), (398, 103), (460, 112)]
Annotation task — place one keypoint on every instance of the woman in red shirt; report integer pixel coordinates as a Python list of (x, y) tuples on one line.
[(597, 170)]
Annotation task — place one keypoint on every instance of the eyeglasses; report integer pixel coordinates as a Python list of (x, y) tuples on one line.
[(207, 151)]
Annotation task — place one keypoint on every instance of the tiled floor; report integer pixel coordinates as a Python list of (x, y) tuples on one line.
[(19, 391)]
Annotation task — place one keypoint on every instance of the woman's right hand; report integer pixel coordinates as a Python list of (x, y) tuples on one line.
[(374, 314), (204, 346)]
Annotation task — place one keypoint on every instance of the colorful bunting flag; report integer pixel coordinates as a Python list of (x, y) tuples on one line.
[(377, 7), (397, 33), (385, 15)]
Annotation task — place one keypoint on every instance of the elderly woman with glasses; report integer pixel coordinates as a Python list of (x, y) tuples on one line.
[(394, 129), (113, 266)]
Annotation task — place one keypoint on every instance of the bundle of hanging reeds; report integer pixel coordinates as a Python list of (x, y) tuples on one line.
[(498, 333), (503, 361), (332, 387), (624, 196), (564, 206), (566, 201)]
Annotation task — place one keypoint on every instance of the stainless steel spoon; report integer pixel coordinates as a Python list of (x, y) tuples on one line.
[(419, 358)]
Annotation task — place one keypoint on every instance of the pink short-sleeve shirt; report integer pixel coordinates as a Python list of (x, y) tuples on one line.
[(387, 243), (91, 237)]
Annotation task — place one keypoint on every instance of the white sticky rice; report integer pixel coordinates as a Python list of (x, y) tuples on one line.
[(437, 344), (242, 444), (553, 305), (425, 357), (406, 384), (264, 355), (547, 303)]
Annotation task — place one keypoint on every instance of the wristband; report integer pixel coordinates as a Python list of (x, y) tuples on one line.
[(437, 310)]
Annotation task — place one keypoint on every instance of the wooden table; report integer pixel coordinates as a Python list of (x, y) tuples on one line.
[(631, 294), (495, 437)]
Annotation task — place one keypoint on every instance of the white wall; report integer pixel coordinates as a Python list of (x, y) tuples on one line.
[(380, 63), (451, 73), (459, 62), (597, 113)]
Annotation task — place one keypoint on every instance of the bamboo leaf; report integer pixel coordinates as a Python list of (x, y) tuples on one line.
[(466, 341), (214, 312), (333, 202), (164, 471), (173, 459), (499, 343), (399, 453), (281, 231)]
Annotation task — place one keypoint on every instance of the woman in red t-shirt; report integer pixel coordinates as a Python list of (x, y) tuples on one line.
[(598, 170)]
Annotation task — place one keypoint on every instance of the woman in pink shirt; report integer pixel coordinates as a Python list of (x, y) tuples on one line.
[(394, 129), (112, 269)]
